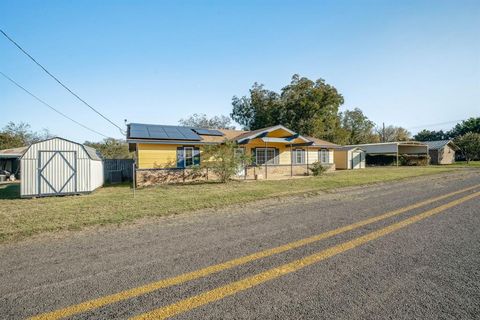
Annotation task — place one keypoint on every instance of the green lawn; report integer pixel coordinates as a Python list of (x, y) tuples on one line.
[(463, 164), (20, 218)]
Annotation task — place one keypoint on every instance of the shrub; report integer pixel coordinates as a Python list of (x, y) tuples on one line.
[(223, 160), (318, 169)]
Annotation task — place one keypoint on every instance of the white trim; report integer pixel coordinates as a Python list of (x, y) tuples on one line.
[(295, 154), (268, 130), (265, 150), (320, 157), (185, 156)]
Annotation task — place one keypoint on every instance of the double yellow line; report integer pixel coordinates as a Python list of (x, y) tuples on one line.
[(232, 288)]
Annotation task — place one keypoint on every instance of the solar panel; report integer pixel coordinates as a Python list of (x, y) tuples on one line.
[(151, 131), (208, 132)]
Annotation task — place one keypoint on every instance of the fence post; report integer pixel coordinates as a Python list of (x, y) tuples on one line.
[(134, 178)]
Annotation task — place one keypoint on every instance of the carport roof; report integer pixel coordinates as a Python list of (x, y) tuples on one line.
[(13, 152)]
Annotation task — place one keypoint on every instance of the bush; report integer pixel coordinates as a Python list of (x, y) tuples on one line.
[(318, 169), (223, 160), (414, 160)]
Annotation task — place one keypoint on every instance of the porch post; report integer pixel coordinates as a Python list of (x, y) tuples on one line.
[(397, 155), (266, 161), (308, 173), (291, 161)]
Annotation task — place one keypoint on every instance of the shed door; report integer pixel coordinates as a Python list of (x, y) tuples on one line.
[(57, 172), (356, 160)]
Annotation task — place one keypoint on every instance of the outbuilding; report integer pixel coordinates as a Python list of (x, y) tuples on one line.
[(59, 166), (10, 161), (408, 153), (349, 157), (441, 151)]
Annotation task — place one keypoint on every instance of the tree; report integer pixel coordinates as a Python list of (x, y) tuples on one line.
[(202, 121), (305, 106), (469, 145), (470, 125), (358, 128), (427, 135), (111, 148), (393, 133), (223, 160), (18, 135)]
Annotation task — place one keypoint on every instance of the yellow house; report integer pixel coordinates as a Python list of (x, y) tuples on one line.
[(163, 153)]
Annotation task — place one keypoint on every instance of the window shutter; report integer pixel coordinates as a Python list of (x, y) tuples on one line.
[(196, 156), (277, 156), (180, 162), (254, 153)]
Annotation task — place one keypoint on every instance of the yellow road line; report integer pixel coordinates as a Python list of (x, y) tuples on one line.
[(168, 282), (244, 284)]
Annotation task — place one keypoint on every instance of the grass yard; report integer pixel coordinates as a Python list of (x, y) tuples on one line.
[(463, 164), (20, 218)]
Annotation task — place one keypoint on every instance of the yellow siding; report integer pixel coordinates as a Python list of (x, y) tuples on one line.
[(279, 133), (152, 156), (157, 155)]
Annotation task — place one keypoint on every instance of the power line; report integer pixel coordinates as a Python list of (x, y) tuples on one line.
[(49, 106), (59, 82), (436, 124)]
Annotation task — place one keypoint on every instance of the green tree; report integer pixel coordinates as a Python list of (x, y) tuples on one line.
[(427, 135), (111, 148), (470, 125), (223, 160), (358, 128), (469, 145), (305, 106), (15, 135), (202, 121)]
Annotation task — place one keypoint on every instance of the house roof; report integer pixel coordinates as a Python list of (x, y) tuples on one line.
[(150, 133), (439, 144), (161, 132), (13, 152), (322, 143)]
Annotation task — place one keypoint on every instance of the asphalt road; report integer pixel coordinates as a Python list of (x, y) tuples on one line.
[(418, 262)]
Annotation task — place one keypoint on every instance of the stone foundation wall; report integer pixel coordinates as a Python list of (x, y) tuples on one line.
[(150, 177)]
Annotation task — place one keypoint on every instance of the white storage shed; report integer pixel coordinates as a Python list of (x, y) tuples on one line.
[(349, 158), (58, 167)]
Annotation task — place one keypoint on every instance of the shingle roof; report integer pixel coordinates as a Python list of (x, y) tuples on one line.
[(320, 142), (435, 145)]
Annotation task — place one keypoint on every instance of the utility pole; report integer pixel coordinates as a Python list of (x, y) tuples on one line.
[(383, 131)]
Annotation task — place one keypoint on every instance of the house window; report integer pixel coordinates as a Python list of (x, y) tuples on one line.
[(324, 156), (299, 156), (188, 156), (266, 155)]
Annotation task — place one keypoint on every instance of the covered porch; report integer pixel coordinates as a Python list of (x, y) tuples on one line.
[(290, 155)]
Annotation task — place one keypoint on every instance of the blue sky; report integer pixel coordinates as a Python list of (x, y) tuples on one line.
[(408, 63)]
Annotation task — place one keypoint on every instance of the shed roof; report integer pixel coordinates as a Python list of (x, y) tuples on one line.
[(92, 153), (349, 148), (439, 144)]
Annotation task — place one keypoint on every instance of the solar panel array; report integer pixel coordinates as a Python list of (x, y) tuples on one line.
[(208, 132), (152, 131)]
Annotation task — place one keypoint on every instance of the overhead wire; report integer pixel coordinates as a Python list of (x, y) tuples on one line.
[(49, 106), (60, 82)]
